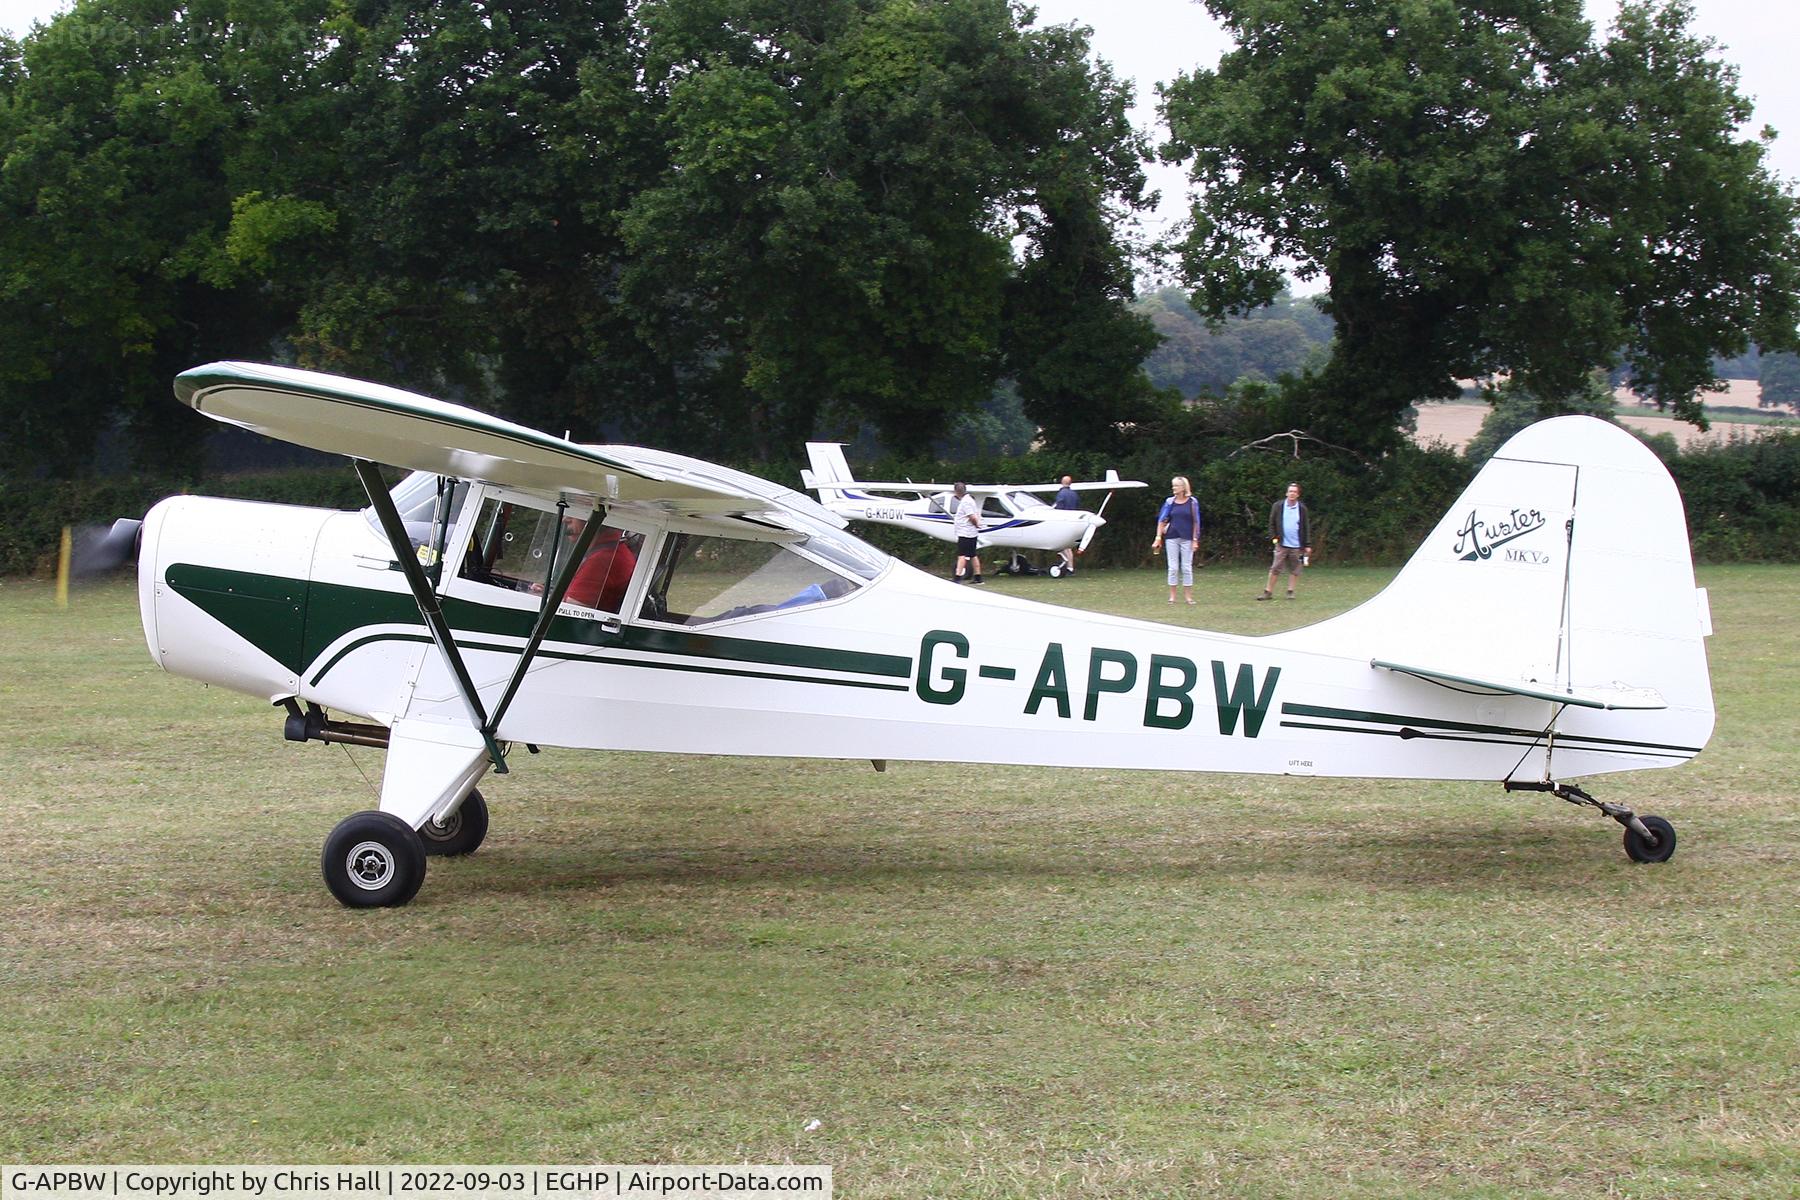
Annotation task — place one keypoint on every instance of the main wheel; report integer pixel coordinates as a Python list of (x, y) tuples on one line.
[(1645, 851), (373, 860), (459, 833)]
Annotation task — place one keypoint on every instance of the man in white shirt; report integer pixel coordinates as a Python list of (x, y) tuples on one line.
[(968, 528)]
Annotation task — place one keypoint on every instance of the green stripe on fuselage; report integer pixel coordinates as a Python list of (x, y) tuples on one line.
[(294, 623), (268, 611)]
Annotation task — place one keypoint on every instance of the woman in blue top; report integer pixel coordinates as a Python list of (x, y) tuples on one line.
[(1178, 528)]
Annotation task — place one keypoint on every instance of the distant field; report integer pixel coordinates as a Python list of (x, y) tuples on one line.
[(981, 982), (1455, 423)]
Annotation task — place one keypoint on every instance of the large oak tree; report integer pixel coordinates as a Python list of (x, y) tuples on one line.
[(1489, 191)]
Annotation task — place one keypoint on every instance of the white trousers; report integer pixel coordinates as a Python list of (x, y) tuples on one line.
[(1181, 560)]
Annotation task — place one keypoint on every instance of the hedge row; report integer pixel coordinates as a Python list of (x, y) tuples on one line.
[(33, 512), (1743, 501)]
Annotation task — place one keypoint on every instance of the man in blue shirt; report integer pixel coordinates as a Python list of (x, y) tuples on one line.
[(1292, 535)]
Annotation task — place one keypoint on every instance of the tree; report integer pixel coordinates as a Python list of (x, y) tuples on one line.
[(833, 233), (1516, 406), (475, 165), (119, 128), (706, 223), (1488, 191), (1198, 358), (1779, 375), (1073, 341)]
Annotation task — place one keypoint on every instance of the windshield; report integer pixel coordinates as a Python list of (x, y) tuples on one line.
[(416, 498), (1025, 500)]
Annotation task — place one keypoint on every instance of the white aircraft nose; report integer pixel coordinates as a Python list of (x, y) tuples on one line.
[(223, 585)]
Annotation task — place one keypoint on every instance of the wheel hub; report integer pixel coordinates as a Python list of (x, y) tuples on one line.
[(443, 830), (370, 865)]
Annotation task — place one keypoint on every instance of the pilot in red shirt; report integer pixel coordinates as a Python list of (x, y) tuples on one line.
[(601, 579)]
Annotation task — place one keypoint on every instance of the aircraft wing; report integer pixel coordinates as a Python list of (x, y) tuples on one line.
[(403, 429), (908, 489), (989, 489), (1111, 485), (1616, 697)]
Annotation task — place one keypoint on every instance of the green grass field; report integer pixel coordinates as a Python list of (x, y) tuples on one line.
[(981, 982)]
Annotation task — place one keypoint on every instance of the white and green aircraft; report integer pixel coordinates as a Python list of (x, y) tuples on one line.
[(520, 588)]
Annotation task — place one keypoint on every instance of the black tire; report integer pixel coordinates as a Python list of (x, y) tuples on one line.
[(463, 831), (1657, 851), (373, 860)]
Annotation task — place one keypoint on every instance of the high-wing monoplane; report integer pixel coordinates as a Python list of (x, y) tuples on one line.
[(518, 588), (1014, 517)]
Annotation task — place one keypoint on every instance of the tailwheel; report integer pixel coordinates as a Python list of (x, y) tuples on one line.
[(1647, 839), (1654, 844), (373, 860), (460, 832)]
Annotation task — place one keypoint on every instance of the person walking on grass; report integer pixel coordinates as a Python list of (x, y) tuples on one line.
[(968, 531), (1178, 530), (1292, 536), (1068, 500)]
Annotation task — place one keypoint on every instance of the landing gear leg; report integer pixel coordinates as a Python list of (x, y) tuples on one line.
[(1648, 839)]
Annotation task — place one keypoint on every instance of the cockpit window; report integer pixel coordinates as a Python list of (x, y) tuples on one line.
[(1025, 500), (518, 547), (700, 579)]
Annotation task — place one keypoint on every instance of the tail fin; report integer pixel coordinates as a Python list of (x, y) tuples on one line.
[(1562, 571), (830, 472)]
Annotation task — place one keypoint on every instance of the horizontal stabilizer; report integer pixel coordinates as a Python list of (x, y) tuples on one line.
[(1616, 697)]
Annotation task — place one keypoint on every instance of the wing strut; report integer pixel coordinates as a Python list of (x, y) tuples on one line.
[(427, 601), (558, 588)]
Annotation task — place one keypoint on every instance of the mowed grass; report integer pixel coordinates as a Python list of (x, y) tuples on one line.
[(980, 981)]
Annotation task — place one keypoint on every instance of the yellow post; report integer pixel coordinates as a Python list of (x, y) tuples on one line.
[(62, 569)]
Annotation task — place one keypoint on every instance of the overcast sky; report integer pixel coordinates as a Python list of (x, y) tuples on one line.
[(1148, 41)]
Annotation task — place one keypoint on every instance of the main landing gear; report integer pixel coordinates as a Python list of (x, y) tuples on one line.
[(375, 860), (1648, 839), (460, 832)]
